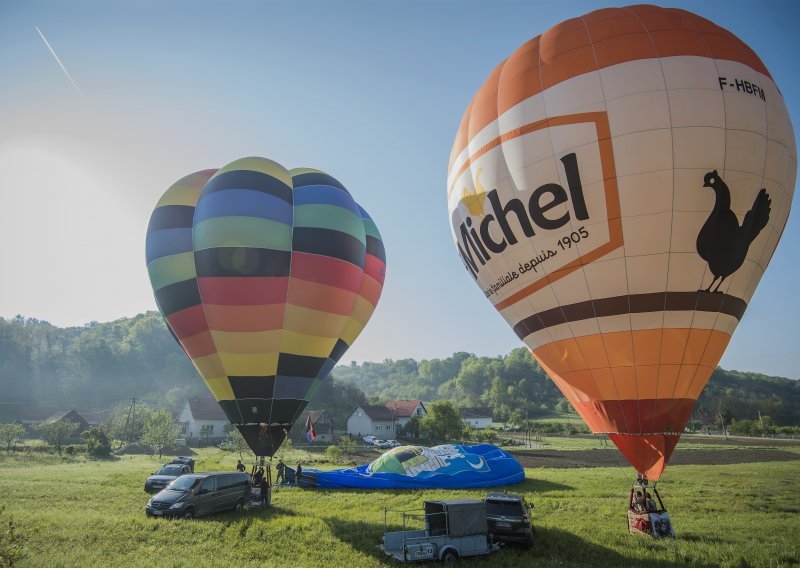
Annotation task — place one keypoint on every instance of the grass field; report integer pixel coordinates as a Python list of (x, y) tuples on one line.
[(78, 512)]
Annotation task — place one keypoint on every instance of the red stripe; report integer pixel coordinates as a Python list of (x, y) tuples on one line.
[(326, 270), (243, 291), (376, 268), (645, 416), (187, 322)]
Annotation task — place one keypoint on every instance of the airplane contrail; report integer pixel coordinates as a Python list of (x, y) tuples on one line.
[(64, 69)]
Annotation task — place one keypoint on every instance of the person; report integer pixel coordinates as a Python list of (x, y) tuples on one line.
[(264, 486), (651, 503), (298, 473), (280, 469), (239, 466), (258, 476), (638, 502)]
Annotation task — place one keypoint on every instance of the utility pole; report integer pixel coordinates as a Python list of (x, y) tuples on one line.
[(128, 422)]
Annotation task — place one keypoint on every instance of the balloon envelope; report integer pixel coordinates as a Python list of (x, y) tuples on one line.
[(265, 276), (617, 188)]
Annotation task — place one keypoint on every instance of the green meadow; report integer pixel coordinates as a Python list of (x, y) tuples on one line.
[(79, 512)]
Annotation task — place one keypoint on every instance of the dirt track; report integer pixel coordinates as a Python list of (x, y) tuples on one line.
[(610, 458)]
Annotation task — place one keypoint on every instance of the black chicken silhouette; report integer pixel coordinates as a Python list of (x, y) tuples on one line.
[(722, 242)]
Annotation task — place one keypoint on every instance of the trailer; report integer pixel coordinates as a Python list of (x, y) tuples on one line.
[(451, 529)]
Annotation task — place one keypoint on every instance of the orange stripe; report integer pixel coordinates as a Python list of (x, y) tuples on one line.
[(244, 318), (315, 296), (617, 35)]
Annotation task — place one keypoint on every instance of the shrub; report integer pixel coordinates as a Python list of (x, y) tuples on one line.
[(98, 443), (333, 453)]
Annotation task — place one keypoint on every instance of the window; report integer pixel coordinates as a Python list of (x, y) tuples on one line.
[(183, 429), (207, 430), (209, 484)]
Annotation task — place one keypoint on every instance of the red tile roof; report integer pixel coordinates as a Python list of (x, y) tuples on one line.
[(403, 408)]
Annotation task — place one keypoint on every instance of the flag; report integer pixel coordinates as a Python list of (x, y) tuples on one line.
[(310, 435)]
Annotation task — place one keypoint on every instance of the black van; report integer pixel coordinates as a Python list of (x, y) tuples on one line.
[(197, 494)]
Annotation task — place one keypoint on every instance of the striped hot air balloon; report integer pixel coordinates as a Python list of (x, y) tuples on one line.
[(265, 276), (616, 189)]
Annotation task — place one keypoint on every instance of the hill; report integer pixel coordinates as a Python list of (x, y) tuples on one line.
[(103, 364)]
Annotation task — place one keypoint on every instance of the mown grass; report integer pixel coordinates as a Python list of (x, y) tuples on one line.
[(79, 512)]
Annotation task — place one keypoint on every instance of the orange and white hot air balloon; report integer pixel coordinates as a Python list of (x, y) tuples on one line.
[(617, 188)]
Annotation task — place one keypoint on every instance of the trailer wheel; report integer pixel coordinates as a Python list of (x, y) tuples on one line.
[(449, 557)]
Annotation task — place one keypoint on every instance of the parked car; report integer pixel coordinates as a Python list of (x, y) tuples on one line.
[(393, 443), (164, 475), (369, 439), (383, 444), (226, 445), (197, 494), (184, 459), (509, 518)]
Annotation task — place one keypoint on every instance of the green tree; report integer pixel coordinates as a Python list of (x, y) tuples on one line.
[(97, 442), (127, 423), (159, 431), (442, 423), (347, 445), (10, 433), (56, 433)]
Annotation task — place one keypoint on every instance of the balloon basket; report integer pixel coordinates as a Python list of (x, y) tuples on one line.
[(260, 486), (647, 514)]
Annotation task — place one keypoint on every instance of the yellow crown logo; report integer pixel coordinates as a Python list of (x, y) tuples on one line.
[(473, 200)]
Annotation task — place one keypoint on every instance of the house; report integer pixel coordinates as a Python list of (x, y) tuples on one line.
[(70, 416), (480, 417), (382, 421), (323, 427), (202, 422)]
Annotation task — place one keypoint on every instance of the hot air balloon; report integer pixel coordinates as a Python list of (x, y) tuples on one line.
[(265, 276), (616, 189)]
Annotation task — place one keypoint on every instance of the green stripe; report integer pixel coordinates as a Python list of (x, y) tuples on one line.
[(372, 229), (171, 269), (238, 231), (330, 217)]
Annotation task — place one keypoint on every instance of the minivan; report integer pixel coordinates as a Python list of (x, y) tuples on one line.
[(197, 494)]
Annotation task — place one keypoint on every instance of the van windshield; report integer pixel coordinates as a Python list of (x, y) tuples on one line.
[(174, 470), (184, 483)]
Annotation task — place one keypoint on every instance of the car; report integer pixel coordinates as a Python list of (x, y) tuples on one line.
[(383, 444), (369, 439), (196, 494), (164, 475), (509, 519), (226, 445), (186, 460), (393, 443)]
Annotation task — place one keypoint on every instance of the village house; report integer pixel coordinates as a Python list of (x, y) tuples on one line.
[(478, 418), (383, 421), (202, 422)]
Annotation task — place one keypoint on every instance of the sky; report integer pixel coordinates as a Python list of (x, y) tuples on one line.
[(104, 104)]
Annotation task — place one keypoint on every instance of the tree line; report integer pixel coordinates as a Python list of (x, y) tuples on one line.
[(99, 363)]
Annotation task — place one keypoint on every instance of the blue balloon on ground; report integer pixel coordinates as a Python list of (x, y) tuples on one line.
[(416, 467)]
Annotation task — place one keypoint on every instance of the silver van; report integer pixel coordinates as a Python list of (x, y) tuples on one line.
[(197, 494)]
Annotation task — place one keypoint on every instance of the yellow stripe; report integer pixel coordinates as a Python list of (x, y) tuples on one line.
[(362, 311), (313, 322), (301, 171), (171, 269), (209, 366), (262, 165), (250, 365), (243, 342), (308, 345), (220, 388), (352, 330), (180, 195)]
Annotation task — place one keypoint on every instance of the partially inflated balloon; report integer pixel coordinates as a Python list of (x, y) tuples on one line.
[(265, 276), (617, 188)]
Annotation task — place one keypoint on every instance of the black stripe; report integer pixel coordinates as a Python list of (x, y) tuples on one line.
[(171, 217), (252, 387), (326, 242), (635, 304), (178, 296), (339, 350), (375, 248), (263, 440), (290, 365), (313, 178), (242, 261), (248, 179), (231, 410)]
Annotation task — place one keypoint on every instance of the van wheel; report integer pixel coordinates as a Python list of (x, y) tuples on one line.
[(239, 506), (449, 557), (189, 514)]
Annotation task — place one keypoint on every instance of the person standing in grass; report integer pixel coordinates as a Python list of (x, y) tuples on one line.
[(298, 473), (239, 466), (281, 469)]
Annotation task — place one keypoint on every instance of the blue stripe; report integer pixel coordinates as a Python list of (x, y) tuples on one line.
[(364, 214), (243, 202), (168, 242), (326, 195)]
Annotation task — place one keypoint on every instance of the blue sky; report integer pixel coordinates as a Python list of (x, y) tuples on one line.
[(371, 92)]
